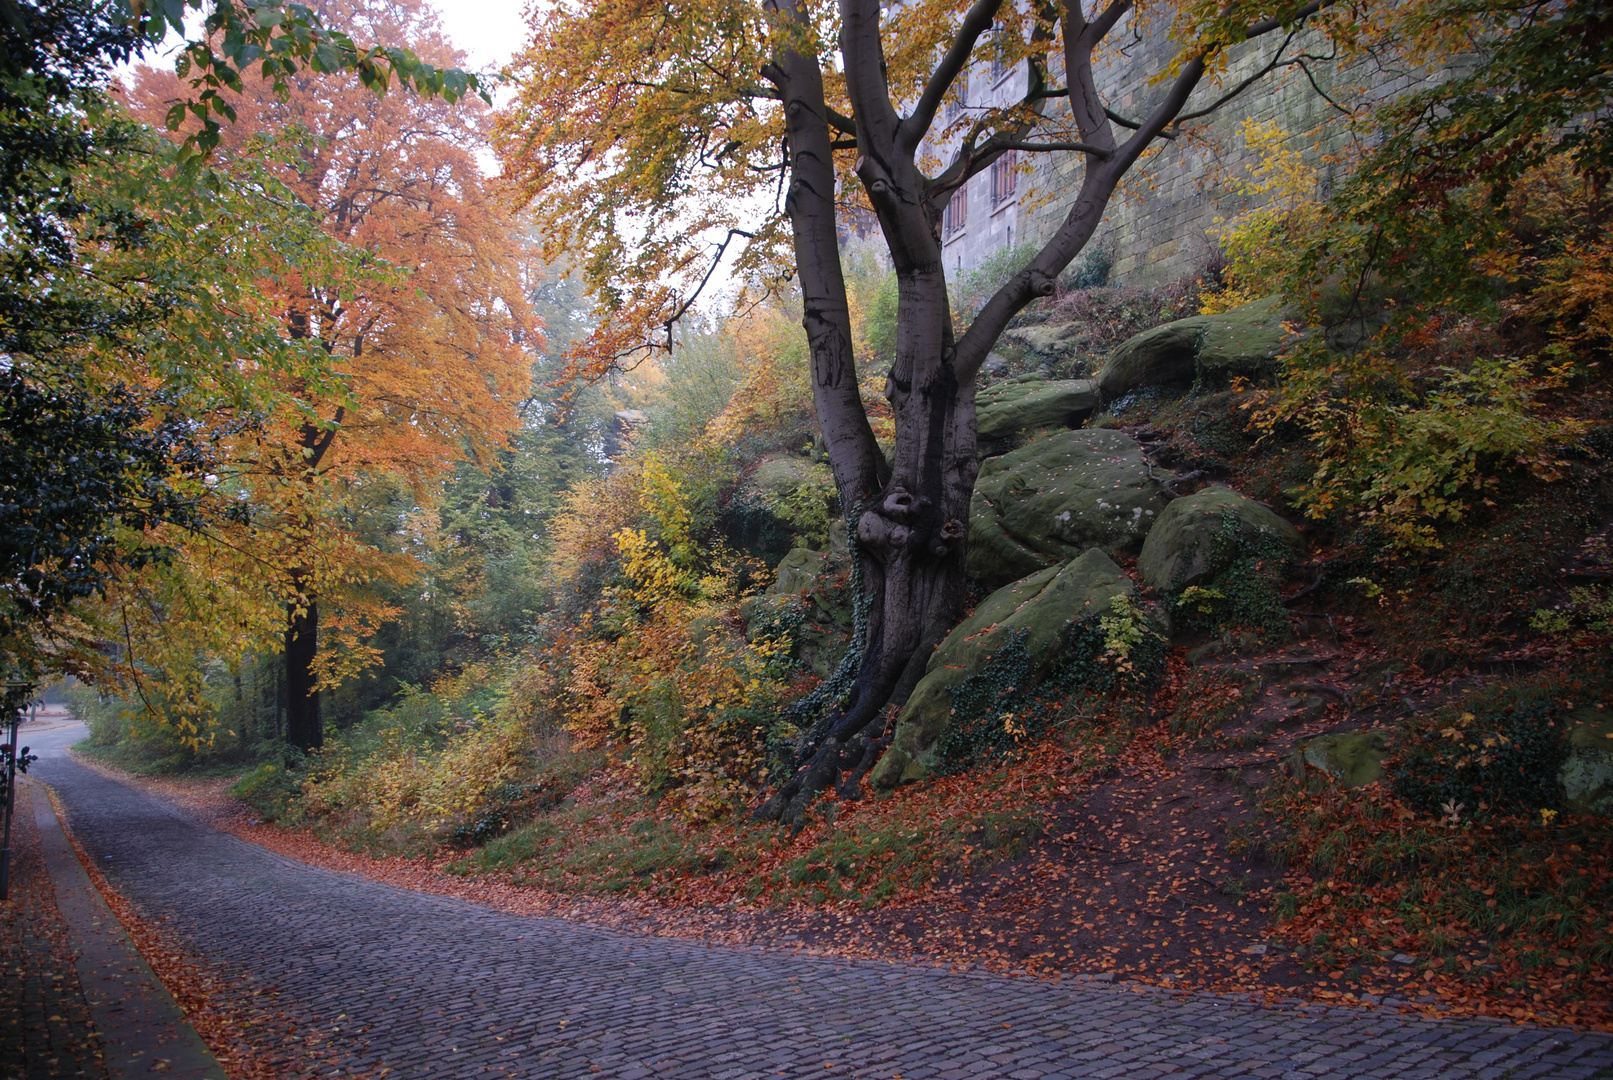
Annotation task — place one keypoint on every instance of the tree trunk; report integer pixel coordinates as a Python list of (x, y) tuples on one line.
[(911, 514), (305, 728)]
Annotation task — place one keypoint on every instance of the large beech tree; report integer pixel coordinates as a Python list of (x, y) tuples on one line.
[(644, 130), (431, 360)]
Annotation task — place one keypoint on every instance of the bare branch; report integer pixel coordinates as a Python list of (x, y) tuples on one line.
[(1323, 94), (970, 162), (840, 121), (716, 261), (978, 20), (1069, 147), (1273, 64)]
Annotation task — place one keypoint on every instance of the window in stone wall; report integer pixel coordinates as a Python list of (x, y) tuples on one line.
[(960, 95), (956, 215), (1004, 178)]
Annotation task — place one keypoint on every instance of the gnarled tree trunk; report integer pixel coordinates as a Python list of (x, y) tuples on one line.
[(911, 514)]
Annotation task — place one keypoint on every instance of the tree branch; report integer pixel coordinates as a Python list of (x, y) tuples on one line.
[(914, 127), (716, 261), (1272, 65), (1069, 147), (970, 162)]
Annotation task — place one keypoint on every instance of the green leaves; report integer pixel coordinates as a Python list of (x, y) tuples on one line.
[(282, 39)]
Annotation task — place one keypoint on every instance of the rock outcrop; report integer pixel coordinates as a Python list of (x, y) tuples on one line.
[(1043, 607), (1587, 775), (1181, 548), (1031, 403), (1353, 758), (1245, 341), (1056, 497)]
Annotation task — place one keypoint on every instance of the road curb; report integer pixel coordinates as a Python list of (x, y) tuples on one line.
[(141, 1026)]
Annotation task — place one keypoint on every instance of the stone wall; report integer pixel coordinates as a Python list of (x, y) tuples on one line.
[(1158, 226)]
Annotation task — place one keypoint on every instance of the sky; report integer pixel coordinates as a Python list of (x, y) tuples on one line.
[(490, 31)]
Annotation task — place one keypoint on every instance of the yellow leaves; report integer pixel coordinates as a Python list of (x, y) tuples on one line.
[(639, 135), (1261, 255), (401, 784)]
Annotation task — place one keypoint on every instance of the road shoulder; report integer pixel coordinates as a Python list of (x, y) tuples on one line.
[(142, 1028)]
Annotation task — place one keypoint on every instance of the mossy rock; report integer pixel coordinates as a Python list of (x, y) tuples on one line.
[(784, 474), (1163, 356), (1353, 758), (1031, 404), (1054, 498), (1044, 606), (1246, 341), (782, 503), (1181, 549), (1048, 343), (798, 572), (813, 587), (1587, 775)]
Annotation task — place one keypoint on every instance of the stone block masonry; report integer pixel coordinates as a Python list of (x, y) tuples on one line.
[(1159, 224)]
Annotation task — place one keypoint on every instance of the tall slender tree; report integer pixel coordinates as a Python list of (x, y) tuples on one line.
[(644, 130)]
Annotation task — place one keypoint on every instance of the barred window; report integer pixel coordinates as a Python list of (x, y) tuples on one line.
[(1004, 177), (956, 215)]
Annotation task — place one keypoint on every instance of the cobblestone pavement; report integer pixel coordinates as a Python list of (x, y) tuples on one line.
[(428, 986)]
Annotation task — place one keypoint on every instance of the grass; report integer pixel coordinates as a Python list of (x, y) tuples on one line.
[(609, 839), (142, 759), (1509, 906)]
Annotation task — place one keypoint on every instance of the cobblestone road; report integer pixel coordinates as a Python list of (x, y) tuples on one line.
[(427, 986)]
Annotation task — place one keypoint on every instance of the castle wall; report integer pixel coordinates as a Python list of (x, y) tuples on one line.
[(1158, 225)]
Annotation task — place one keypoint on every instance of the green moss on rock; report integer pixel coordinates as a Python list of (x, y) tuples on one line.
[(1353, 758), (1056, 497), (1037, 613), (1587, 775), (1033, 403), (1181, 548), (1245, 341)]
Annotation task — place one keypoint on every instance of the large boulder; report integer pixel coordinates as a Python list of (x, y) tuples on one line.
[(1244, 341), (1181, 549), (811, 597), (784, 502), (1587, 775), (1052, 499), (1047, 344), (1044, 606), (1163, 356), (1032, 402)]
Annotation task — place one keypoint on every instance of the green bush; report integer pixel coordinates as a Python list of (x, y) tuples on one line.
[(1501, 752), (271, 788)]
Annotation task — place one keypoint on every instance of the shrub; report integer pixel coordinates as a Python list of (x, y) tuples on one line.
[(1501, 752), (1001, 708)]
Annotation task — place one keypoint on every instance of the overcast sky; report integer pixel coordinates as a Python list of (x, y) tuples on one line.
[(490, 31)]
